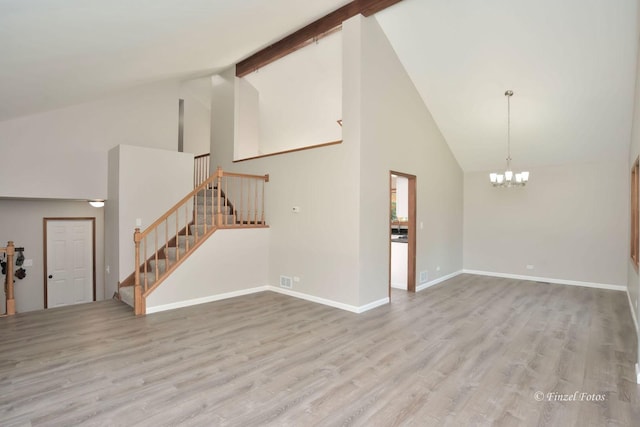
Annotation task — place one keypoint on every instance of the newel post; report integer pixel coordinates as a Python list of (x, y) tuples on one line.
[(219, 217), (138, 303), (266, 179), (11, 302)]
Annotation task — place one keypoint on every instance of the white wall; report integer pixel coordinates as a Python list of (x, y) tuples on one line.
[(22, 222), (338, 245), (223, 119), (150, 182), (633, 280), (247, 125), (569, 223), (112, 223), (63, 153), (197, 115), (319, 245), (300, 97), (399, 133), (227, 262)]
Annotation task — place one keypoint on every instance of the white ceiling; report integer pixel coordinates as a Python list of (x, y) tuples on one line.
[(59, 52), (287, 119), (571, 63)]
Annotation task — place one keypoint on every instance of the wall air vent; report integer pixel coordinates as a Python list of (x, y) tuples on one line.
[(286, 282)]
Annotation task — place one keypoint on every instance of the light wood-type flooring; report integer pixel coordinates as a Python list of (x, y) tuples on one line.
[(472, 351)]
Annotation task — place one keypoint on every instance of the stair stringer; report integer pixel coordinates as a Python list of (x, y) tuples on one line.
[(234, 262)]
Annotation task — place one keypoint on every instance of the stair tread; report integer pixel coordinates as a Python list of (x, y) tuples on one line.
[(171, 252), (126, 295), (211, 209), (205, 218), (182, 240), (127, 292), (162, 265), (151, 278), (230, 219), (208, 192)]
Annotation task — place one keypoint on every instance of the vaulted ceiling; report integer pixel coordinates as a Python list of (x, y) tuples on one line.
[(60, 52), (571, 63)]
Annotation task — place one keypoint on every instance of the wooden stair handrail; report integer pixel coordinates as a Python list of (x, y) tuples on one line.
[(199, 188), (265, 177), (174, 208)]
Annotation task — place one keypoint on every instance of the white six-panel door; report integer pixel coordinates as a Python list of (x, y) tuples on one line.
[(69, 274)]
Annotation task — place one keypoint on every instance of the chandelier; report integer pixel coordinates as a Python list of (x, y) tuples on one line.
[(508, 178)]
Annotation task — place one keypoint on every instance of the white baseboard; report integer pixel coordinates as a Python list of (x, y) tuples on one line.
[(434, 282), (378, 303), (330, 303), (372, 305), (635, 323), (621, 288), (203, 300), (362, 308), (295, 294), (633, 314), (300, 295)]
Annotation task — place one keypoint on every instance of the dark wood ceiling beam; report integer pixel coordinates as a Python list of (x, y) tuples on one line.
[(370, 7), (314, 31)]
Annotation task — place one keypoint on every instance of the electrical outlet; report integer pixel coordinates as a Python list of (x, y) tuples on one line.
[(296, 279), (286, 282), (529, 267), (424, 276), (438, 268)]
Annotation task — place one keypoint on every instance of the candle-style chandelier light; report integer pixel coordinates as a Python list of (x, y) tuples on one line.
[(508, 178)]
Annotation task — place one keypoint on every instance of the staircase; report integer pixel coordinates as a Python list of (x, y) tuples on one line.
[(179, 232)]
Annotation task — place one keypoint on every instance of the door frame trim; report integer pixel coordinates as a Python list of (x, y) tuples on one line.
[(411, 231), (93, 251)]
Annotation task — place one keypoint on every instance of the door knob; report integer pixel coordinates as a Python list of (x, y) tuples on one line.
[(50, 276)]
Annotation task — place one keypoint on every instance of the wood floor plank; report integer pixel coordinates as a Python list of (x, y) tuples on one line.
[(470, 351)]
